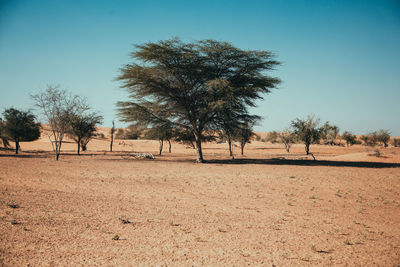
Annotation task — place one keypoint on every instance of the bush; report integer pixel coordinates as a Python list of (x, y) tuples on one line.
[(350, 138), (272, 137), (396, 142), (131, 133)]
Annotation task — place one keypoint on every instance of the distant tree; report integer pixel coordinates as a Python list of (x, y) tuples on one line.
[(130, 133), (3, 137), (382, 136), (20, 126), (396, 142), (185, 137), (163, 132), (288, 138), (329, 133), (244, 134), (370, 139), (57, 107), (307, 131), (272, 137), (179, 83), (112, 131), (350, 138), (82, 128)]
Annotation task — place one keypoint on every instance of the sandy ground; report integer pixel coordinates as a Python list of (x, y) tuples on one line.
[(268, 208)]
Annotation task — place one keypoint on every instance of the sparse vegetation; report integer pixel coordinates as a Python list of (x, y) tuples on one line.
[(350, 138), (57, 106), (288, 138)]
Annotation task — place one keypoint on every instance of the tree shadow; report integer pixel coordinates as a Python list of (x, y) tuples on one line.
[(306, 162), (32, 155)]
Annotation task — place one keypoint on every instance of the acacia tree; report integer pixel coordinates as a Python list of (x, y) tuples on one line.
[(382, 136), (57, 107), (329, 133), (244, 134), (82, 128), (307, 131), (350, 138), (288, 138), (20, 126), (163, 132), (174, 82)]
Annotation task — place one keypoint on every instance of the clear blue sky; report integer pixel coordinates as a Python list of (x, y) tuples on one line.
[(340, 59)]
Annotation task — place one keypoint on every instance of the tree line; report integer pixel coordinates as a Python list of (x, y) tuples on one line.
[(190, 92)]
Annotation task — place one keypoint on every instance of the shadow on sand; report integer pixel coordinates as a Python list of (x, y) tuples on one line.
[(296, 162)]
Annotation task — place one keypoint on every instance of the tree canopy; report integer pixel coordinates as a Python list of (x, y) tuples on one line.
[(57, 107), (190, 85), (307, 130), (82, 128), (20, 126)]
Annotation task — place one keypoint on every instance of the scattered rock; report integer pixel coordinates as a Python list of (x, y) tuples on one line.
[(13, 206)]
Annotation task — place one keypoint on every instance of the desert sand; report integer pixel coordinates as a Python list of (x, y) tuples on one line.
[(266, 208)]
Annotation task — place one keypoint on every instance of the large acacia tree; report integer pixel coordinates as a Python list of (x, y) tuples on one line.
[(190, 84)]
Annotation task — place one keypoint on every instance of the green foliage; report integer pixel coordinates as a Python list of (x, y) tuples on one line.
[(243, 135), (82, 128), (372, 139), (307, 130), (192, 85), (382, 136), (350, 138), (20, 126), (272, 137), (329, 133), (130, 133)]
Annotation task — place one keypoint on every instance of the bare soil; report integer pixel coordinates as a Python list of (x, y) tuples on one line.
[(266, 208)]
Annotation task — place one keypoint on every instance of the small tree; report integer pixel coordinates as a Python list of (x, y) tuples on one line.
[(163, 132), (57, 107), (112, 131), (350, 138), (382, 136), (82, 128), (307, 131), (329, 133), (272, 137), (288, 138), (243, 135), (3, 137), (20, 126)]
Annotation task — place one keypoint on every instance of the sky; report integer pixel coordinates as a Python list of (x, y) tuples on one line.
[(340, 59)]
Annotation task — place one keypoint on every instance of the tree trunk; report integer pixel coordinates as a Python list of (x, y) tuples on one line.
[(161, 145), (16, 145), (242, 147), (169, 146), (199, 151), (79, 146), (230, 147), (112, 136), (307, 149)]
